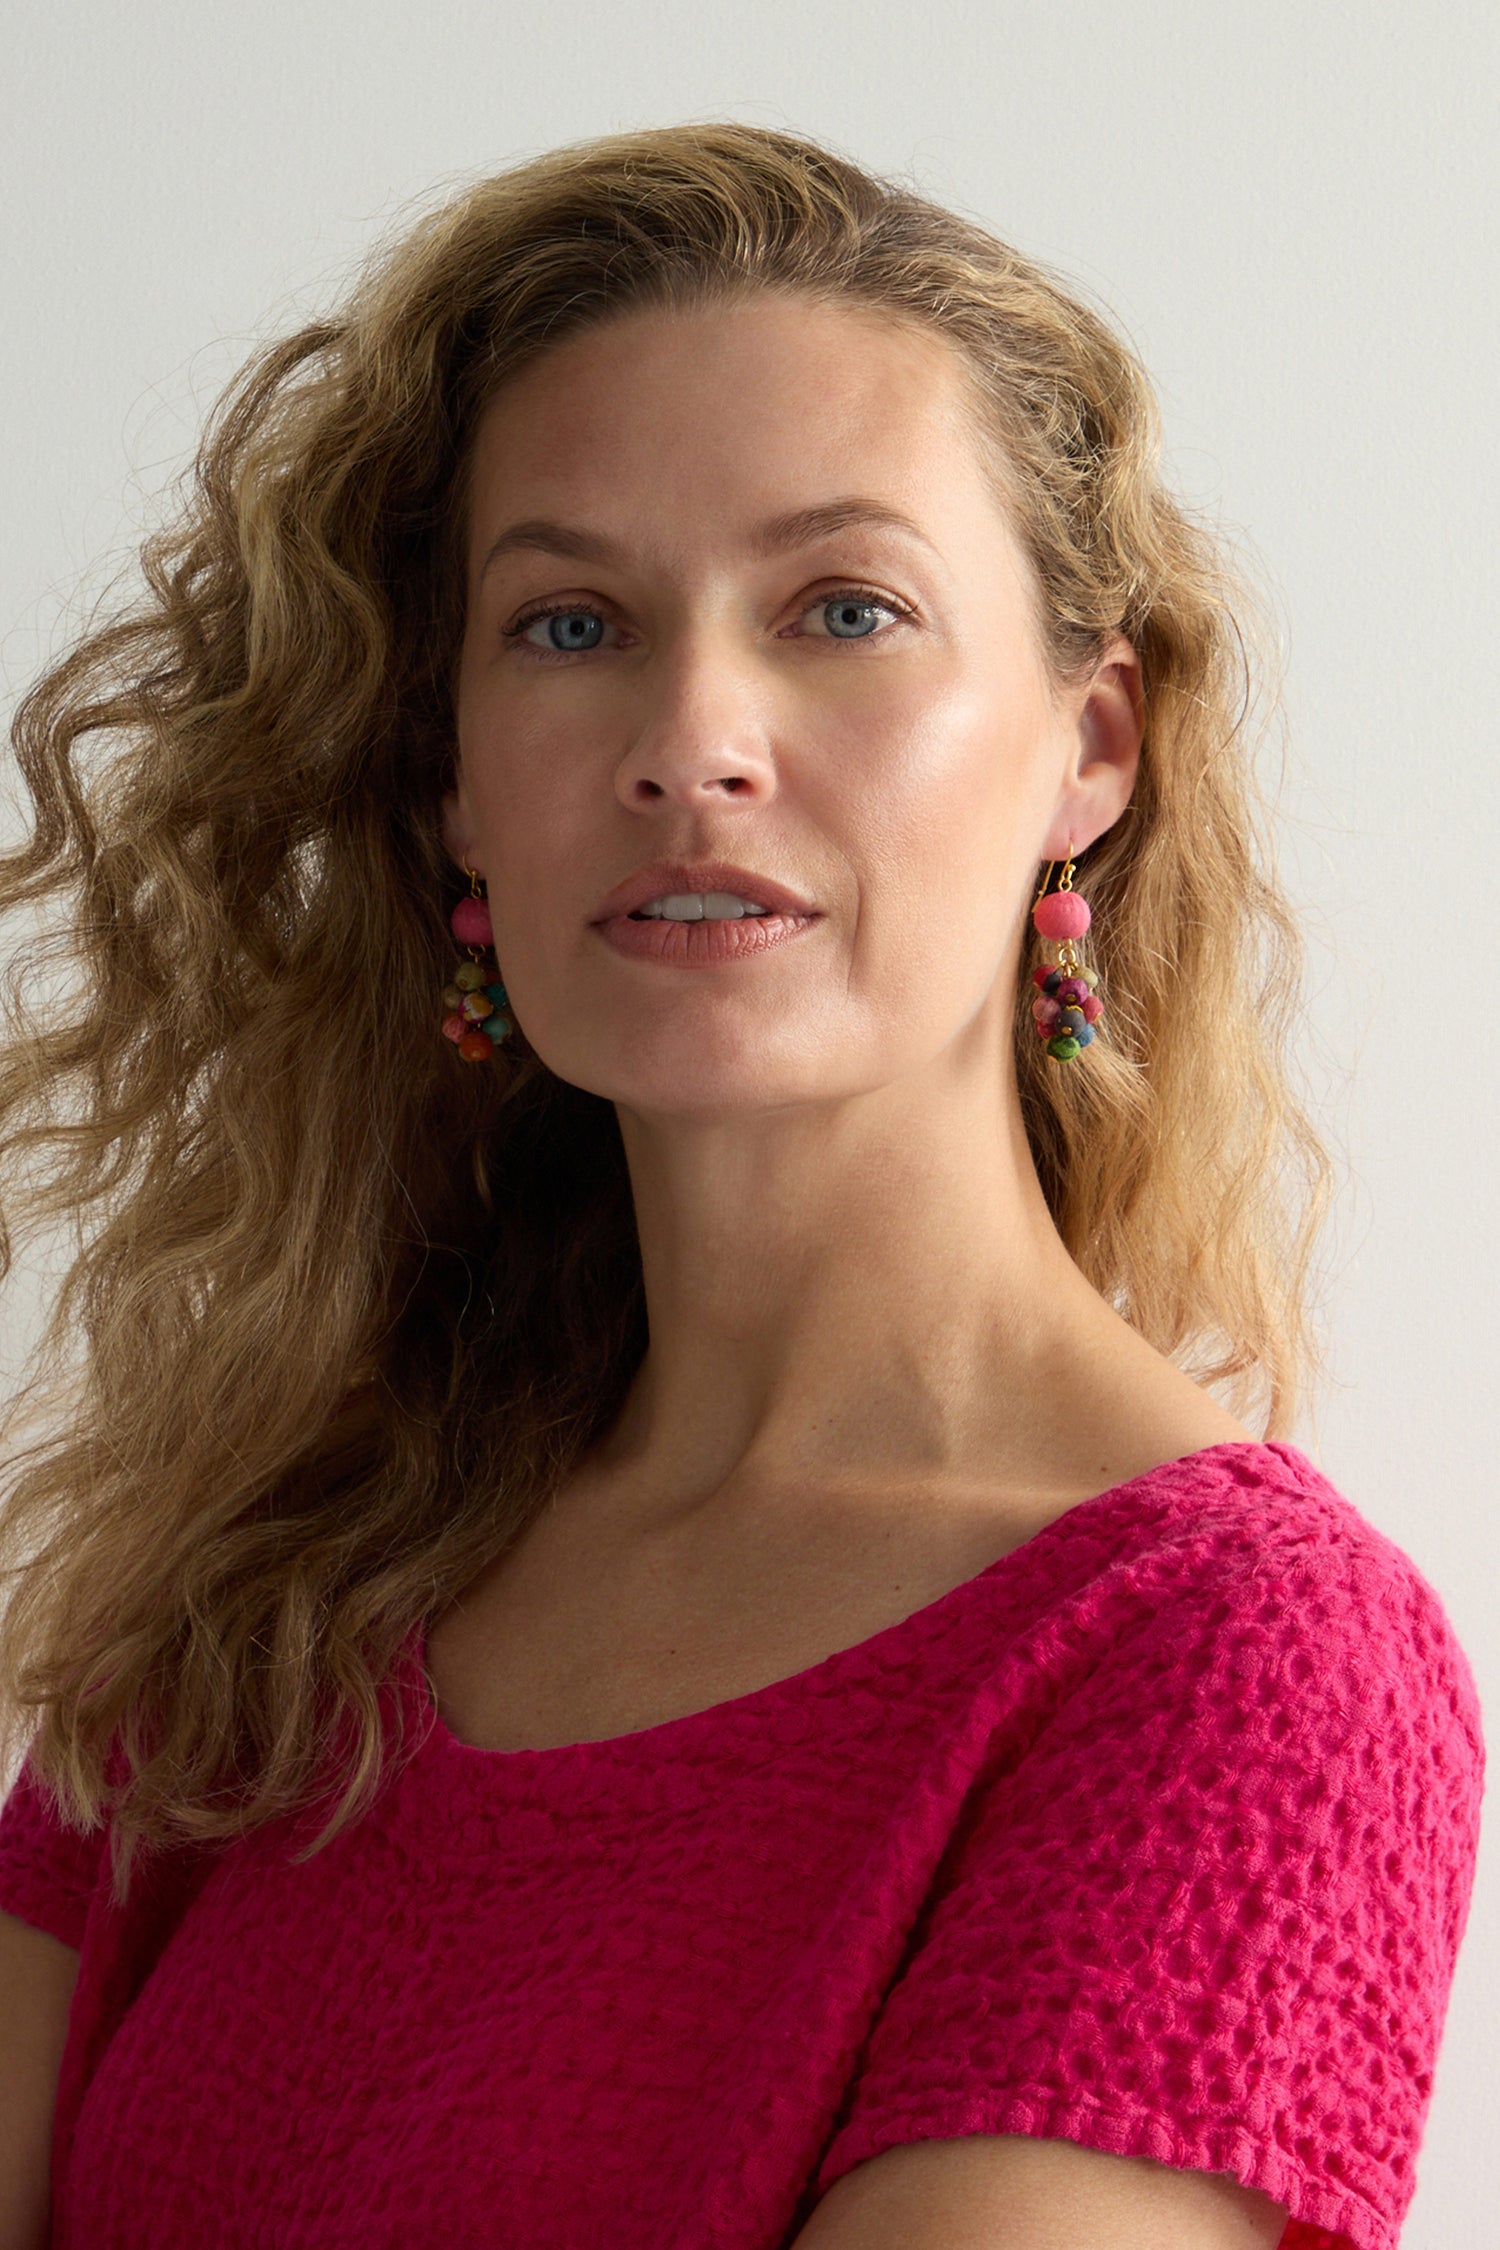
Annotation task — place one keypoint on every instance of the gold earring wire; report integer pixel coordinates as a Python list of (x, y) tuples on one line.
[(1064, 880)]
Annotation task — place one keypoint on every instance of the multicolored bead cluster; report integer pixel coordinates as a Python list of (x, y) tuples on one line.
[(476, 1000), (1067, 1006)]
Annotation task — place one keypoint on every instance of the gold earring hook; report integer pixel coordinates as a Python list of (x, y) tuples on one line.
[(1064, 881)]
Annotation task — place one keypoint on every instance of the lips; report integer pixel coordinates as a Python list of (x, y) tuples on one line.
[(666, 877)]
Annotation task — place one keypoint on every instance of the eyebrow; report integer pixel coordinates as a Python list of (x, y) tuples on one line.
[(798, 527)]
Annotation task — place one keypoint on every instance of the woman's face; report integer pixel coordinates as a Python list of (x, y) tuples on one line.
[(740, 592)]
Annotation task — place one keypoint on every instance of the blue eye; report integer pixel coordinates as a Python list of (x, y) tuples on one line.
[(856, 613), (567, 629), (850, 620), (852, 614)]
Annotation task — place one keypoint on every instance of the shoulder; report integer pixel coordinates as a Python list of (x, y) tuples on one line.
[(49, 1871), (1246, 1512), (1240, 1584), (1303, 1640), (1263, 1522)]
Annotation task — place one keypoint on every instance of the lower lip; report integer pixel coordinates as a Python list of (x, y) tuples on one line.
[(693, 945)]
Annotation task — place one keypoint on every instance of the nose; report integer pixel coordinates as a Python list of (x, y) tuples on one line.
[(703, 736)]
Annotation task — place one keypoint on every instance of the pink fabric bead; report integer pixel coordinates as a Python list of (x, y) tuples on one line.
[(454, 1027), (1046, 1011), (1093, 1008), (1061, 914), (470, 922)]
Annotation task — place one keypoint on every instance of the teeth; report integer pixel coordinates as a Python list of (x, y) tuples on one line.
[(699, 906)]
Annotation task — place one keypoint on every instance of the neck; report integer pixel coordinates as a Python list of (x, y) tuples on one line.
[(863, 1294)]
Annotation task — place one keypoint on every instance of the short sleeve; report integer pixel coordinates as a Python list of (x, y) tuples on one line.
[(1210, 1914), (48, 1872)]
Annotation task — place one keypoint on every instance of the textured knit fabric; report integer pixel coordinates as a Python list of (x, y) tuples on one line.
[(1157, 1835)]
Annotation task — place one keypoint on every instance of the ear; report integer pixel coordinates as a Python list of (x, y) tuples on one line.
[(1105, 719), (459, 839)]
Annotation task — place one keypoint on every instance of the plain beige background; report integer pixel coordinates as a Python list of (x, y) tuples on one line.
[(1292, 212)]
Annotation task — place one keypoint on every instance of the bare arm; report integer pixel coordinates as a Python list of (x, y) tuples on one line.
[(37, 1975), (1012, 2192)]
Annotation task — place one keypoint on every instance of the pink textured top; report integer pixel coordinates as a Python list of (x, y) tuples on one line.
[(1157, 1835)]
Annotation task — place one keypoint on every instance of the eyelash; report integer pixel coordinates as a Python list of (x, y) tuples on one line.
[(865, 594)]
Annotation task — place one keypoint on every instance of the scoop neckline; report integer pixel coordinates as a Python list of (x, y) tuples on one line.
[(668, 1732)]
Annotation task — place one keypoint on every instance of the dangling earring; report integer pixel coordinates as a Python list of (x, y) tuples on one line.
[(1066, 1007), (476, 1000)]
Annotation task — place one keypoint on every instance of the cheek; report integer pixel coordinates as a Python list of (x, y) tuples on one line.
[(941, 794), (940, 833), (528, 791)]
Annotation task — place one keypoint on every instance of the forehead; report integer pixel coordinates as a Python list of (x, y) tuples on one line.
[(759, 405)]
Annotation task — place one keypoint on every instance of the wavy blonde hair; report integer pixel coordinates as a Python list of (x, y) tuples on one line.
[(341, 1314)]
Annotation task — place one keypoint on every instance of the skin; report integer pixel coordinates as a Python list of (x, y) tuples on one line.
[(856, 1293)]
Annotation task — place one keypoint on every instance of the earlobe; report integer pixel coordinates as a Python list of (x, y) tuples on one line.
[(459, 840)]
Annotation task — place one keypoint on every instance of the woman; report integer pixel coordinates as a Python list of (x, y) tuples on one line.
[(892, 1759)]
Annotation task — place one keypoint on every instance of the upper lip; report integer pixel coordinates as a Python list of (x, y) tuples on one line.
[(665, 878)]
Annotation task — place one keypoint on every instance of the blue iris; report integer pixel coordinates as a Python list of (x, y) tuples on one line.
[(574, 628), (850, 621)]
